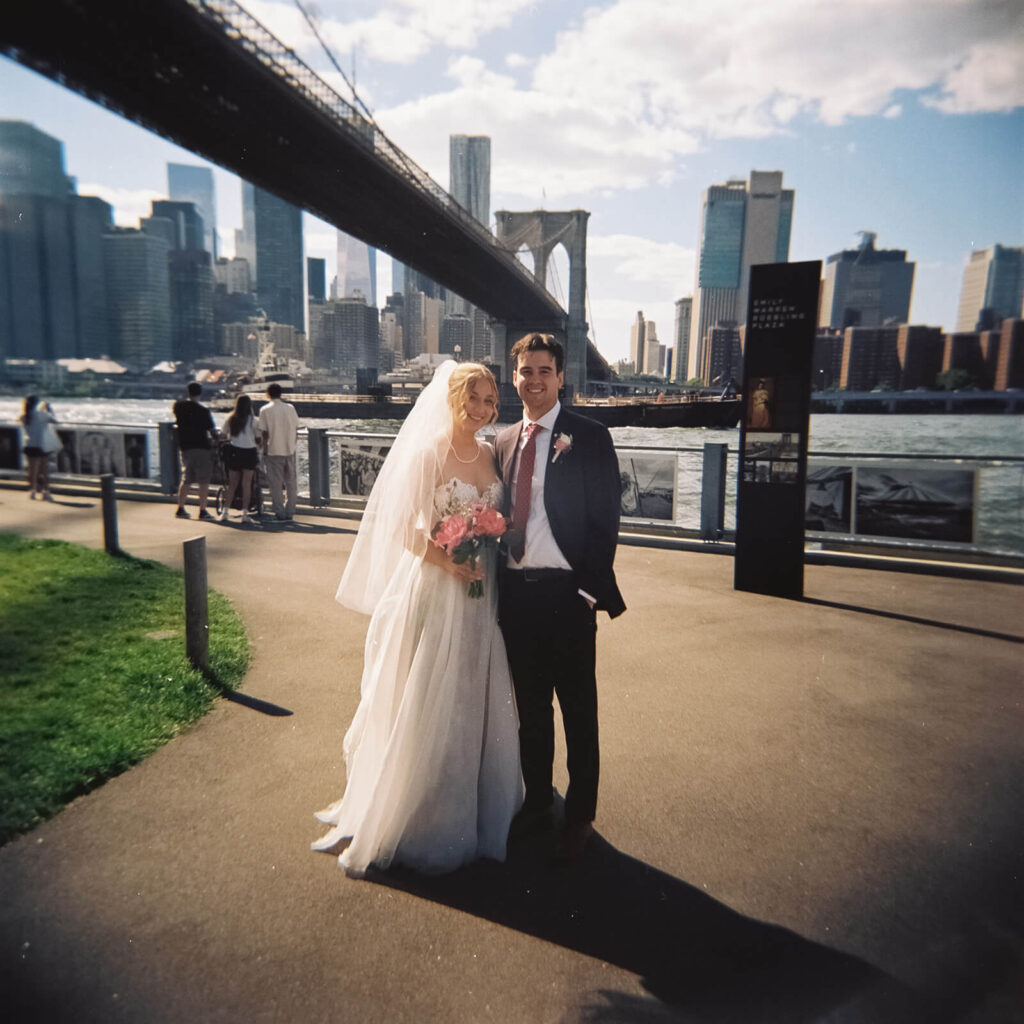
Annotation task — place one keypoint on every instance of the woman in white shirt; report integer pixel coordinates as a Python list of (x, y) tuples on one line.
[(240, 455), (41, 441)]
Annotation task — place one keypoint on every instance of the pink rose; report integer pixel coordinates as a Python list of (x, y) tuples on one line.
[(488, 522), (449, 533)]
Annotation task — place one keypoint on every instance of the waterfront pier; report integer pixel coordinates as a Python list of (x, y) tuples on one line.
[(809, 810)]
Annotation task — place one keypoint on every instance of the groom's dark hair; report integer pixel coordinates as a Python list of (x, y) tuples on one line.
[(536, 342)]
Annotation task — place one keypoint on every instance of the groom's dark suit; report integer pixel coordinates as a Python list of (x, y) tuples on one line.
[(549, 628)]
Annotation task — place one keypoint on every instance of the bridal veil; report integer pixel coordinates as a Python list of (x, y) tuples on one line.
[(399, 511)]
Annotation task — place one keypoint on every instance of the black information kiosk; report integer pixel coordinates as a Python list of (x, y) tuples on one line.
[(782, 317)]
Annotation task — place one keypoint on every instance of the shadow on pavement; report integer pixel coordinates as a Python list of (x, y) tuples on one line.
[(693, 954), (268, 524), (263, 706), (917, 620)]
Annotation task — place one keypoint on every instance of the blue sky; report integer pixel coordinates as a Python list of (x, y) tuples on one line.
[(903, 117)]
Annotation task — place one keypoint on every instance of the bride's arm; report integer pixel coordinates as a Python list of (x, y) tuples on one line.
[(437, 556)]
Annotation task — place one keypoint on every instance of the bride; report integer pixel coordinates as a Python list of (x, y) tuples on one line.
[(432, 754)]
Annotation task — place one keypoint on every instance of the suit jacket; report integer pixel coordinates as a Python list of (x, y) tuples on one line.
[(582, 495)]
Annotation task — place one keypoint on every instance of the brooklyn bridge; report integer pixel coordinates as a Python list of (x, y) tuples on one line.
[(209, 77)]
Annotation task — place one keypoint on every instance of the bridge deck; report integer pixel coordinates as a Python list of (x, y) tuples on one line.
[(187, 70)]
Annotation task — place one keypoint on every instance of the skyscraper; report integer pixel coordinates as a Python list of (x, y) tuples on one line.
[(993, 287), (456, 335), (469, 169), (357, 269), (469, 182), (638, 343), (742, 225), (191, 184), (866, 287), (681, 354), (272, 232), (316, 279), (188, 232), (345, 334), (52, 289), (190, 267), (138, 289), (31, 162)]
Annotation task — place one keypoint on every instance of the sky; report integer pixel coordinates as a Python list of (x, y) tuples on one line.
[(901, 117)]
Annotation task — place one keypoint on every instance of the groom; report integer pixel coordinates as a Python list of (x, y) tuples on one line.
[(562, 493)]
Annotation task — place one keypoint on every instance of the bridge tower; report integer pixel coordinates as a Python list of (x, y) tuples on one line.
[(540, 231)]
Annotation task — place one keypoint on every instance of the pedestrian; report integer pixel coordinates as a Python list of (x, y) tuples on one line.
[(41, 441), (197, 434), (278, 424), (241, 456)]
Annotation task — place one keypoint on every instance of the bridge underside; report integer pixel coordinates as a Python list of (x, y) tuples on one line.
[(171, 69)]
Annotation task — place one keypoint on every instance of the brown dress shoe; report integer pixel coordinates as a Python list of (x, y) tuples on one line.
[(573, 840)]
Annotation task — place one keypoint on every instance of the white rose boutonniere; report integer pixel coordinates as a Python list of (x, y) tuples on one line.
[(563, 443)]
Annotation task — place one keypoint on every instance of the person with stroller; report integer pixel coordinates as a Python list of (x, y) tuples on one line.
[(241, 457)]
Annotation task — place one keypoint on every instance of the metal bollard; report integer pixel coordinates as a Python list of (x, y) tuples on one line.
[(197, 620), (109, 498), (319, 467), (712, 491)]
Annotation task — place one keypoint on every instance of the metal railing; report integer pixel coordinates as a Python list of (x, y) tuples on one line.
[(704, 502)]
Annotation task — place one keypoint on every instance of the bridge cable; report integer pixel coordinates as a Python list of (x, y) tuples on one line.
[(399, 154), (337, 67)]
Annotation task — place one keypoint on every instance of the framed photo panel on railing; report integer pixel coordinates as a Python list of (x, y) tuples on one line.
[(913, 501), (648, 481)]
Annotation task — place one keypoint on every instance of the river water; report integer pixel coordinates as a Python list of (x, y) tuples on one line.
[(1000, 495)]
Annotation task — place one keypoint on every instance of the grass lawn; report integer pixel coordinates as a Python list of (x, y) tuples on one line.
[(93, 674)]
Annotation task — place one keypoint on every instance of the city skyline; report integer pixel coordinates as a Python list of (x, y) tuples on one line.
[(586, 110)]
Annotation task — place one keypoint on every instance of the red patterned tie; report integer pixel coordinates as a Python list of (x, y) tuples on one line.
[(524, 482)]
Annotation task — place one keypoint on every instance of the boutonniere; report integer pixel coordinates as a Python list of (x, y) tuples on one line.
[(563, 443)]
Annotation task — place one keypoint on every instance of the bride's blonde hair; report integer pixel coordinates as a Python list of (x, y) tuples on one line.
[(461, 382)]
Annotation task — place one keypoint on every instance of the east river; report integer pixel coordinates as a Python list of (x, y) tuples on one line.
[(1000, 494)]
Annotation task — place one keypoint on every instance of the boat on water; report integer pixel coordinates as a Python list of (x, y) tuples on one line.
[(667, 411), (722, 413)]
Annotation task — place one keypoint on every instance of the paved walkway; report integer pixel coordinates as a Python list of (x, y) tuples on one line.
[(809, 811)]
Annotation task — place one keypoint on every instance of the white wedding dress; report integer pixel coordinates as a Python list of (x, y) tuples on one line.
[(432, 754)]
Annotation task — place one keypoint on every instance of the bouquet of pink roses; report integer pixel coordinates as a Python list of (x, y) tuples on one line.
[(465, 535)]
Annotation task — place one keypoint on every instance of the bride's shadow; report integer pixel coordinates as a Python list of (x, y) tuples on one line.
[(692, 953)]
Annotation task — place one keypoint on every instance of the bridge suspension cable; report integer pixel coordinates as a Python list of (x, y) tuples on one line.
[(365, 110)]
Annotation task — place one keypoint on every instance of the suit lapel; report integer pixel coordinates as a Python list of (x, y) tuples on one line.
[(508, 456)]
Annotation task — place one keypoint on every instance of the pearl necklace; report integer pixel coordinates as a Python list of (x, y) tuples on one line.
[(465, 462)]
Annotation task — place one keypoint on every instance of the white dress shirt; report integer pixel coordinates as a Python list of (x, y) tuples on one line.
[(542, 550), (281, 422)]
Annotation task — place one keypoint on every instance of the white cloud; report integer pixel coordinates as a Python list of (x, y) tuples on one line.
[(543, 147), (664, 265), (396, 32), (745, 70), (637, 84), (653, 274), (989, 78), (129, 203)]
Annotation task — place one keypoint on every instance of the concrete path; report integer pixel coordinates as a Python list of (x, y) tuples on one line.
[(810, 811)]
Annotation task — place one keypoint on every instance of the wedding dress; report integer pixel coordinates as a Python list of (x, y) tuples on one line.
[(432, 754)]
